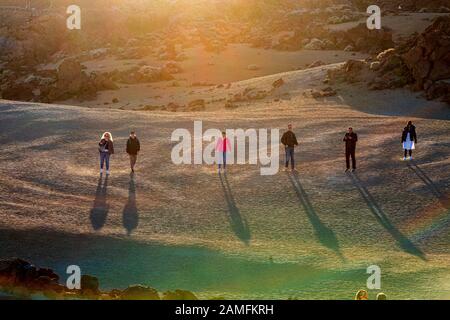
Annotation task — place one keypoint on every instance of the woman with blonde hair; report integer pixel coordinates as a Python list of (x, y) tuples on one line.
[(106, 149), (362, 295)]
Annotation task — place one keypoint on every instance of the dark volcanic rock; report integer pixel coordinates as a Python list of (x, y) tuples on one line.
[(138, 292)]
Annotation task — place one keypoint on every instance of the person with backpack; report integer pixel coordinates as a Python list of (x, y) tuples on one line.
[(133, 148), (106, 149)]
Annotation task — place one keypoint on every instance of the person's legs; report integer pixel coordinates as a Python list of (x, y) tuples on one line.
[(353, 159), (292, 158), (133, 159), (347, 159), (287, 157), (102, 160), (224, 156), (410, 153), (107, 160), (406, 153)]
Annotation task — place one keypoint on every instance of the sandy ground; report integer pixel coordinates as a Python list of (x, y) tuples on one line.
[(239, 235), (201, 67)]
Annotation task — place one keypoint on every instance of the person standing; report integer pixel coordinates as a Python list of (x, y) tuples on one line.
[(133, 148), (289, 140), (350, 140), (222, 147), (106, 149), (409, 140)]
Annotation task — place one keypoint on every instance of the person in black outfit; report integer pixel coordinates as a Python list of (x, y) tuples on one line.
[(409, 139), (133, 147), (289, 140), (350, 140)]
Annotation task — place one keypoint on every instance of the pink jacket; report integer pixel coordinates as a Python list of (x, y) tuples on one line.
[(223, 145)]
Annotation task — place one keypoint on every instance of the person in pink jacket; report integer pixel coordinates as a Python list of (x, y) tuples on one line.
[(223, 146)]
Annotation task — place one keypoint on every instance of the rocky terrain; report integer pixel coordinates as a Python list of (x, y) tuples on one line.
[(41, 60), (24, 280), (421, 64)]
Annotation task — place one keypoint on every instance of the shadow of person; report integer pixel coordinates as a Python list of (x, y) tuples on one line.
[(323, 234), (100, 208), (238, 224), (443, 198), (130, 215), (404, 243)]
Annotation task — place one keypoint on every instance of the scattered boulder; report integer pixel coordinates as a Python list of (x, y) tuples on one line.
[(278, 83), (316, 94), (196, 105), (315, 44), (138, 292), (316, 64), (179, 295), (89, 285)]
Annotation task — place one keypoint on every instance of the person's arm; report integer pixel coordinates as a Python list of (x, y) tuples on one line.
[(283, 139), (228, 145), (111, 145), (219, 141), (128, 146), (415, 136), (295, 139), (356, 137), (345, 138), (138, 145)]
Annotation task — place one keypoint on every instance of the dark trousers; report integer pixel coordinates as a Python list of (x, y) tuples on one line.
[(406, 153), (224, 160), (133, 159), (350, 153), (290, 155)]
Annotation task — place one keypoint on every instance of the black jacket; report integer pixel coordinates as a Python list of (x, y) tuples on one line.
[(289, 139), (412, 134), (133, 146), (350, 144), (108, 145)]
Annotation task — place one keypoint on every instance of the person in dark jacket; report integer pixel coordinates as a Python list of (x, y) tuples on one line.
[(106, 149), (350, 140), (133, 148), (289, 140), (409, 139)]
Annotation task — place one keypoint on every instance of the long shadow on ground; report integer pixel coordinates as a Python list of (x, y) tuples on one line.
[(238, 223), (443, 198), (130, 215), (100, 208), (403, 241), (324, 234)]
